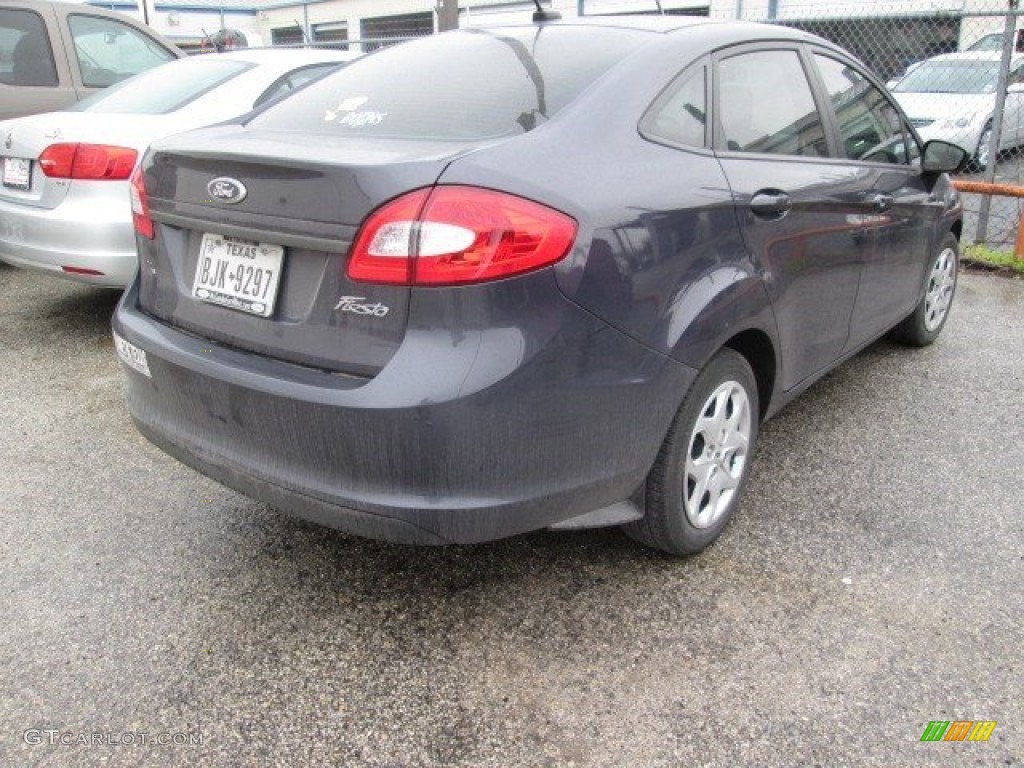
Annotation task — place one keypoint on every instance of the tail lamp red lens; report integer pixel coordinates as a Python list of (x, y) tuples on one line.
[(456, 235), (140, 205), (92, 162)]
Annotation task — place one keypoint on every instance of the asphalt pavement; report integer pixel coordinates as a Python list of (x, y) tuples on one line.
[(870, 584)]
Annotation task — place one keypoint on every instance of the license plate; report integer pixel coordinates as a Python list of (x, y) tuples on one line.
[(132, 356), (240, 274), (17, 172)]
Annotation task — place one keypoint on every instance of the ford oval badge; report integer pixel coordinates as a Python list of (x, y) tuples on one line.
[(227, 190)]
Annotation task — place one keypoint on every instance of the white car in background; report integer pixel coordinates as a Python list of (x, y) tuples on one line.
[(952, 97), (64, 190)]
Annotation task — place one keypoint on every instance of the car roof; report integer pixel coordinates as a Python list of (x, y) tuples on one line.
[(631, 21), (714, 33), (671, 24), (280, 55)]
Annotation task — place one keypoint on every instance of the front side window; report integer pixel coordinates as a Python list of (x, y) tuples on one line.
[(109, 51), (680, 115), (25, 55), (766, 106), (870, 127)]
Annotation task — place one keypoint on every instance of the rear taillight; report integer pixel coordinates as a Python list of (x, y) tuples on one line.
[(140, 205), (94, 162), (457, 235)]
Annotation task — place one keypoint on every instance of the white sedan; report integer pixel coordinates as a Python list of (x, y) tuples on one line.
[(953, 96), (64, 192)]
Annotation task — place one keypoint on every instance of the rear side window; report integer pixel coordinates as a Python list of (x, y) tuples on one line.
[(25, 55), (164, 89), (109, 51), (467, 85), (680, 115), (767, 106)]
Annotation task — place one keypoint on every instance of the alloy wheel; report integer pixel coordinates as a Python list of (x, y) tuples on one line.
[(939, 294), (717, 454)]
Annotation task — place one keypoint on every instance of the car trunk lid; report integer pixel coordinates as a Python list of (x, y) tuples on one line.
[(296, 216)]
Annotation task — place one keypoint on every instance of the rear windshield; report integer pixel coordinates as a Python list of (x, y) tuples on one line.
[(467, 85), (163, 89)]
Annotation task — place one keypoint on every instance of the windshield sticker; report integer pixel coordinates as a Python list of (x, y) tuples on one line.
[(359, 119), (346, 114), (351, 104)]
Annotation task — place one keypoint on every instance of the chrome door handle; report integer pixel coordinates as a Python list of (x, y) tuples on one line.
[(881, 202), (770, 204)]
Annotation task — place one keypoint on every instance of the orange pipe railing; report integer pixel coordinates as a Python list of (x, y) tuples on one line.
[(1001, 190)]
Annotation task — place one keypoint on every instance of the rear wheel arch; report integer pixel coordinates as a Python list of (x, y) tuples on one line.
[(757, 347), (697, 477)]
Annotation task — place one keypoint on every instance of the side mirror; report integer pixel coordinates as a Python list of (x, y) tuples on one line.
[(942, 157)]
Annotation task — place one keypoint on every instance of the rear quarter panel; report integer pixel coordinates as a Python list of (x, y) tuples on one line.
[(658, 253)]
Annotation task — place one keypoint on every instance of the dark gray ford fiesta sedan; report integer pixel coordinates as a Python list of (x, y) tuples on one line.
[(549, 275)]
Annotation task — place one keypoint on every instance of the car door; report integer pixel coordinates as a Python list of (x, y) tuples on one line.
[(800, 209), (900, 211), (33, 77)]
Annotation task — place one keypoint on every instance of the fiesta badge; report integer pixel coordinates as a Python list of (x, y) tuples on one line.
[(227, 190)]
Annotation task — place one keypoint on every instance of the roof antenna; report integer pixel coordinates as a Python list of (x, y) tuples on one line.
[(660, 9), (541, 15)]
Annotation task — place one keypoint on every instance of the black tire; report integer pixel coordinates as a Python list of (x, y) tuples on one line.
[(668, 523), (926, 322)]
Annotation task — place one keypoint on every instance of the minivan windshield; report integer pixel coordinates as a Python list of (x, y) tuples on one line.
[(465, 85), (978, 76)]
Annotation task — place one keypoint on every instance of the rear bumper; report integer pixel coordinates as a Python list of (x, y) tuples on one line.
[(468, 439), (82, 233)]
